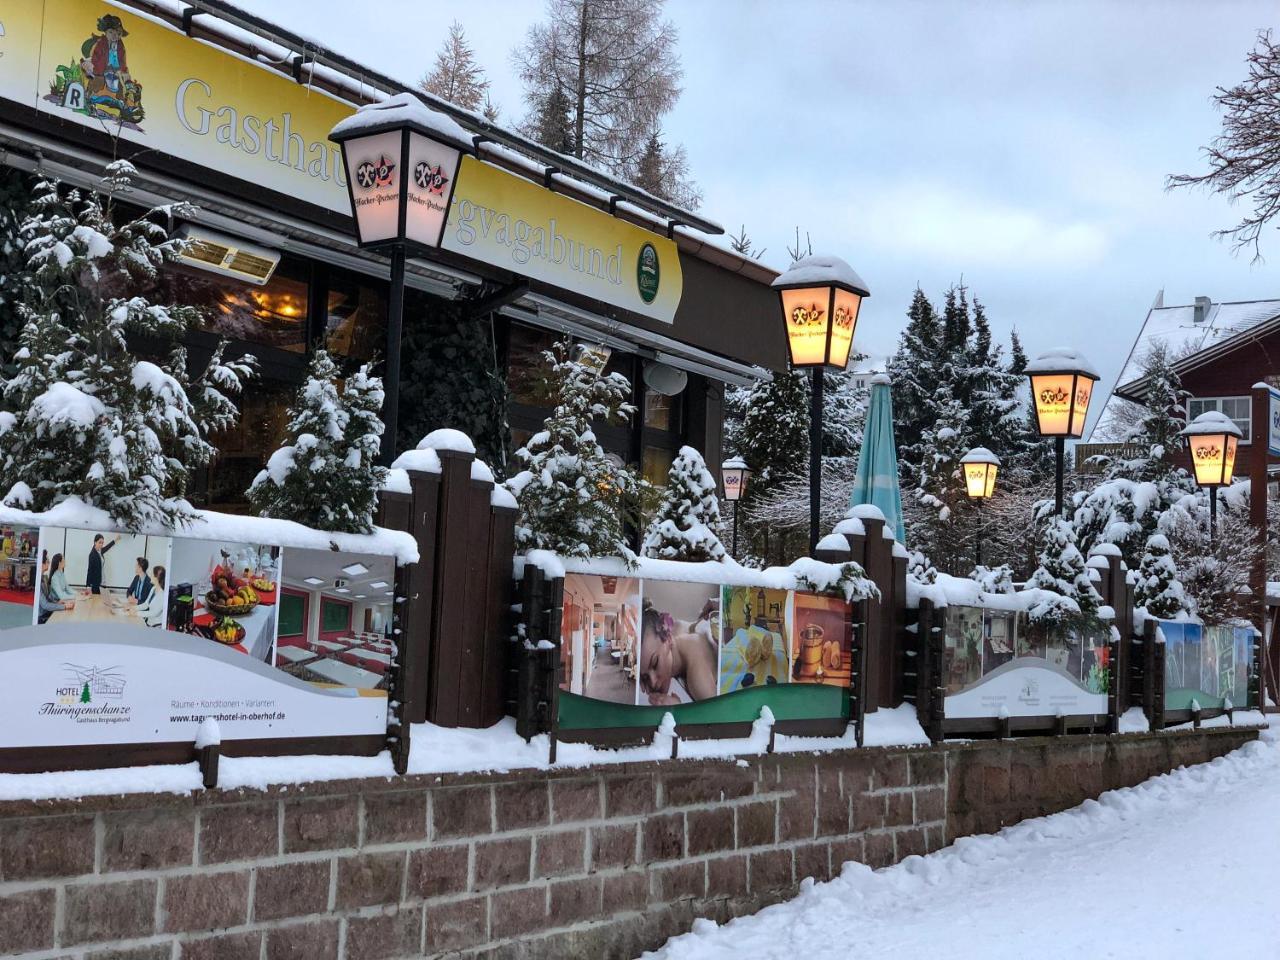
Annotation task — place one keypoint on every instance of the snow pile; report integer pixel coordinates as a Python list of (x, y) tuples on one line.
[(1142, 843)]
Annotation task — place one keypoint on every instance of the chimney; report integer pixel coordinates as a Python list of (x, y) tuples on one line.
[(1200, 312)]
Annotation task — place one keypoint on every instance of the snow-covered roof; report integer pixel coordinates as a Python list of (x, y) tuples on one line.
[(1062, 358), (402, 109), (1176, 328), (821, 268)]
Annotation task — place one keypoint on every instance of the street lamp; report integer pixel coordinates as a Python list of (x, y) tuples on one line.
[(1061, 385), (401, 161), (980, 466), (821, 296), (735, 474), (1213, 439)]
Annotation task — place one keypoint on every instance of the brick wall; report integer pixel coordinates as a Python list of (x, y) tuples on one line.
[(595, 863)]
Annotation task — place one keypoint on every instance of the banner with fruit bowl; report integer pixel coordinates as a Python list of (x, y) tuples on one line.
[(131, 638)]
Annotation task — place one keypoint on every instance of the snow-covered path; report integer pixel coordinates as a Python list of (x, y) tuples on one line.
[(1183, 865)]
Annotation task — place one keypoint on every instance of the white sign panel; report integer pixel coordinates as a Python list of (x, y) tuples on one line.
[(1273, 423), (108, 684), (1026, 687), (375, 184), (432, 170)]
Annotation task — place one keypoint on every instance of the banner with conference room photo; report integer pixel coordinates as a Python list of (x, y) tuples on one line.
[(110, 637)]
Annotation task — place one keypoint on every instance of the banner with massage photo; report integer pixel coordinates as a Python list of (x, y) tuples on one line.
[(633, 649), (117, 638)]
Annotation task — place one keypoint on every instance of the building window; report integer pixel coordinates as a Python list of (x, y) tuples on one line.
[(356, 317), (273, 315), (1237, 409)]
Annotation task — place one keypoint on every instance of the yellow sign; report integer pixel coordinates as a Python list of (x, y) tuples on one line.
[(103, 66), (501, 219)]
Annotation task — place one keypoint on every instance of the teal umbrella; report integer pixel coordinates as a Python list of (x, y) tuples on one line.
[(876, 481)]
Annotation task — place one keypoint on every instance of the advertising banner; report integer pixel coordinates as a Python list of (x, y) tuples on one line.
[(504, 220), (1206, 665), (104, 66), (996, 662), (633, 650), (110, 638)]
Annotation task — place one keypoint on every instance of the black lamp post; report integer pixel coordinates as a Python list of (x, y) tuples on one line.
[(1213, 439), (980, 466), (734, 476), (401, 160), (1061, 385), (821, 296)]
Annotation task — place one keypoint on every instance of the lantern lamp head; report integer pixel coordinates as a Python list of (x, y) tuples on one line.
[(1212, 439), (735, 474), (821, 297), (980, 466), (1061, 386), (401, 160)]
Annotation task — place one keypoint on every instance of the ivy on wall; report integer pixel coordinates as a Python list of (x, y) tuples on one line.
[(451, 378)]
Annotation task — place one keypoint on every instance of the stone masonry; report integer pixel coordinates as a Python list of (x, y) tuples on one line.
[(595, 863)]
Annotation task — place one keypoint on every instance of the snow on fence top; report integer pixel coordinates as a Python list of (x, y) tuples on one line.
[(211, 525), (947, 590), (806, 574)]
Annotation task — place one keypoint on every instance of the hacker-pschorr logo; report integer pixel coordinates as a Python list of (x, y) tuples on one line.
[(370, 174), (429, 178), (89, 694)]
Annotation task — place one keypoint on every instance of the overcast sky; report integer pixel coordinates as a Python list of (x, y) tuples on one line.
[(1022, 147)]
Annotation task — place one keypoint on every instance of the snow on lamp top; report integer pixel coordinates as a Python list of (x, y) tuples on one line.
[(980, 455), (1213, 439), (402, 110), (821, 296), (1062, 360), (819, 269), (1212, 421), (1061, 386)]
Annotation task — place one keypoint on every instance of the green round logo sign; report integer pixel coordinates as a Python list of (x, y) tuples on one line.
[(647, 273)]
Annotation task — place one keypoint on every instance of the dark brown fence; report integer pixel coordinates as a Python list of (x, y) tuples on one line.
[(455, 606)]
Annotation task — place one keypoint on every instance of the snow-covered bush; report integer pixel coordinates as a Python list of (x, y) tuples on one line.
[(993, 579), (685, 524), (921, 569), (1063, 571), (571, 497), (1213, 571), (327, 474), (91, 418), (1158, 588)]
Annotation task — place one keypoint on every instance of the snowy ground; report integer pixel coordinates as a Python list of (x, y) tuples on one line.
[(1184, 865)]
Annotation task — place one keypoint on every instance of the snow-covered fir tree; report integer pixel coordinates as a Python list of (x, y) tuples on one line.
[(1062, 568), (1158, 588), (456, 76), (327, 474), (90, 417), (1125, 506), (663, 171), (685, 524), (15, 201), (571, 498)]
